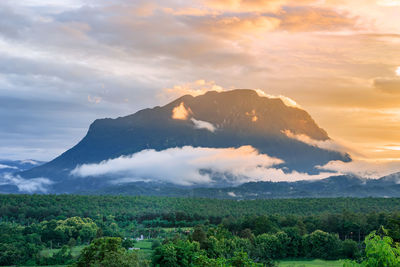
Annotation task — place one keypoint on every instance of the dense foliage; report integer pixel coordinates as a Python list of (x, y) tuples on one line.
[(218, 244), (215, 233), (47, 207)]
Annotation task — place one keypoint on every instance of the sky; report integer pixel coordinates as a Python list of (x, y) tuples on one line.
[(64, 64)]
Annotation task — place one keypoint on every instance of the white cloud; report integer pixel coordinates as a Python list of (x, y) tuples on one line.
[(198, 124), (232, 194), (3, 166), (189, 165), (29, 161), (327, 144), (286, 100), (364, 168), (389, 3), (33, 185)]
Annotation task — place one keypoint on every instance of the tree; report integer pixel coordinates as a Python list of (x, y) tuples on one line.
[(283, 244), (241, 259), (380, 251), (199, 235), (266, 247), (71, 242), (294, 248), (155, 244), (320, 244), (350, 249), (108, 251), (246, 233), (128, 243), (177, 253)]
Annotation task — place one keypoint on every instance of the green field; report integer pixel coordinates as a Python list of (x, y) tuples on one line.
[(143, 245), (176, 229), (145, 248), (75, 251), (310, 263)]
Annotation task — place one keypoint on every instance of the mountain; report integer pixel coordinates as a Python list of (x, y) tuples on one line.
[(214, 120), (335, 186)]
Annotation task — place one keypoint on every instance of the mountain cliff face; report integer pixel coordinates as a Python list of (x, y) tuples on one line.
[(215, 119)]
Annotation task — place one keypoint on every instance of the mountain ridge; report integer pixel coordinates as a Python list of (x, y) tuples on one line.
[(240, 117)]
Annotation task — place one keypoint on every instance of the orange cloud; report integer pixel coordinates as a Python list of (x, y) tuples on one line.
[(388, 85), (180, 112), (253, 5), (195, 88), (253, 115), (235, 27), (316, 19)]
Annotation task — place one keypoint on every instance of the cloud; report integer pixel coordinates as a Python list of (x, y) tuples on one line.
[(252, 115), (196, 88), (232, 194), (389, 3), (29, 161), (237, 27), (364, 168), (308, 19), (33, 185), (198, 124), (326, 144), (180, 112), (94, 99), (388, 85), (286, 100), (274, 6), (3, 166), (189, 166)]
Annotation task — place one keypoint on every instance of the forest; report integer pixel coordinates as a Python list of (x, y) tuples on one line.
[(153, 231)]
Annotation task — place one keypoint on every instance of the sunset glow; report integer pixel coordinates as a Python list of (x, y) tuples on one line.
[(180, 112), (338, 60)]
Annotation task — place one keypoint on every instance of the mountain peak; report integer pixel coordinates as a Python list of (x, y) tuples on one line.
[(246, 110), (228, 119)]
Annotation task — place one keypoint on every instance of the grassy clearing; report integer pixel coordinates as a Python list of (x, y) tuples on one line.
[(143, 244), (75, 251), (310, 263), (145, 248), (175, 229)]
